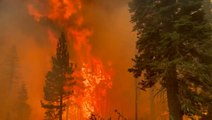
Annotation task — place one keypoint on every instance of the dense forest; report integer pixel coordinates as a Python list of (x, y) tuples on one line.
[(106, 60)]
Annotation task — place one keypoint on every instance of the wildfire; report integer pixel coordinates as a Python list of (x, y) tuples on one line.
[(96, 85), (67, 16)]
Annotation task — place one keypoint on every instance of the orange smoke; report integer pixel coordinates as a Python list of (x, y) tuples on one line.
[(93, 78), (34, 12)]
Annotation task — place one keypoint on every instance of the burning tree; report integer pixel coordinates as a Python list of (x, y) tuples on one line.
[(92, 78), (58, 82)]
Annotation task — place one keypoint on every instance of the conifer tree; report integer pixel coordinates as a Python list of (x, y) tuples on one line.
[(21, 109), (15, 105), (174, 49), (58, 79), (9, 80)]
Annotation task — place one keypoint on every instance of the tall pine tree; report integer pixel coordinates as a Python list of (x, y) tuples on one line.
[(21, 109), (9, 81), (57, 81), (173, 43)]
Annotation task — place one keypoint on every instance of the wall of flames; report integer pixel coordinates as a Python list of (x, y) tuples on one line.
[(93, 79)]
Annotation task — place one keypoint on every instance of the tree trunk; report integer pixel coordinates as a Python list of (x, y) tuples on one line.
[(61, 108), (172, 93)]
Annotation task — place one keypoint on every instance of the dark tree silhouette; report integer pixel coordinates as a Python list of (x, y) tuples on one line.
[(58, 82), (174, 49), (9, 81), (16, 107), (21, 110)]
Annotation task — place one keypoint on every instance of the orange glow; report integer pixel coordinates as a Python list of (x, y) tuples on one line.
[(81, 44), (34, 12), (53, 40), (93, 80), (62, 9), (96, 83)]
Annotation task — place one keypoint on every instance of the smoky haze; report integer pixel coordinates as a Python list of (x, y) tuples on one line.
[(113, 42), (19, 29)]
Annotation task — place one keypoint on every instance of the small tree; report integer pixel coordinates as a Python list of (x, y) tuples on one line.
[(9, 81), (10, 68), (57, 81), (22, 110)]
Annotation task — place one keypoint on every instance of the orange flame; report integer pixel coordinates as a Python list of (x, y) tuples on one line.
[(96, 85), (34, 12), (95, 80)]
